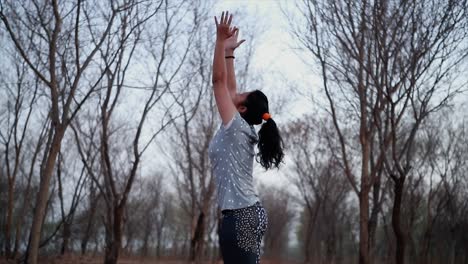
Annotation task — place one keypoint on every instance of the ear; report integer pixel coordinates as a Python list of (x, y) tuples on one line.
[(242, 109)]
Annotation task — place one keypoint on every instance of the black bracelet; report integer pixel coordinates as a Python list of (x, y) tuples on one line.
[(229, 57)]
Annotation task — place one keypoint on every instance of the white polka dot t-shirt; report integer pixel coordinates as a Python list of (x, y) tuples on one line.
[(231, 152)]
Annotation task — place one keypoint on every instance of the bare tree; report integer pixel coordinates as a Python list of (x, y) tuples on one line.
[(118, 175), (70, 171), (57, 28), (21, 101), (85, 137), (323, 190), (278, 204), (446, 204), (380, 60), (424, 71), (148, 218), (193, 135)]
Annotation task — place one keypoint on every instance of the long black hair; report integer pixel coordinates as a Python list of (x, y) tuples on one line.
[(270, 143)]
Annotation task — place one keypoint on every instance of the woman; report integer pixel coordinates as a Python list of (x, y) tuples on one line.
[(232, 152)]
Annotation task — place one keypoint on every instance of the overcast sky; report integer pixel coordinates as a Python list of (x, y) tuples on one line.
[(275, 55)]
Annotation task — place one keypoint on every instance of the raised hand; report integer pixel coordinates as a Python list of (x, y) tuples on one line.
[(223, 27), (232, 43)]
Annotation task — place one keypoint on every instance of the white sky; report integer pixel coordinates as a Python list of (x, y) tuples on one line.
[(274, 54)]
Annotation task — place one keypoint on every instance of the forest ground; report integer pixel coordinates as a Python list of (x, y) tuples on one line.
[(74, 259)]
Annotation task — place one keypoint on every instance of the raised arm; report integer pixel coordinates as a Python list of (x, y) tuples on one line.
[(230, 45), (223, 97)]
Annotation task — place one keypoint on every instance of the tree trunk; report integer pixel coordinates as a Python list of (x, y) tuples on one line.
[(18, 226), (330, 247), (374, 216), (364, 227), (158, 243), (21, 216), (146, 236), (94, 199), (452, 248), (424, 256), (197, 242), (85, 239), (87, 234), (114, 244), (396, 223), (43, 196), (66, 237), (9, 222), (308, 239)]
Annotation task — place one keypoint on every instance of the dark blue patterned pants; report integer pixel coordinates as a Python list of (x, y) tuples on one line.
[(241, 234)]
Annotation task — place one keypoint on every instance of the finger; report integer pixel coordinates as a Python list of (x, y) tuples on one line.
[(226, 17), (230, 20), (240, 42), (234, 31), (216, 21), (222, 17), (237, 32)]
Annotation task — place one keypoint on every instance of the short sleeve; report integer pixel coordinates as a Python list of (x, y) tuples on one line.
[(237, 123)]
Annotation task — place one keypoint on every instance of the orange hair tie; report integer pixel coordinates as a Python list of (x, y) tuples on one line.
[(266, 116)]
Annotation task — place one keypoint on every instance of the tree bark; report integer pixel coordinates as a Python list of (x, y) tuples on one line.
[(364, 227), (377, 197), (396, 222), (9, 222), (27, 192), (308, 239), (114, 245), (92, 210), (43, 196), (197, 242), (146, 237), (66, 237)]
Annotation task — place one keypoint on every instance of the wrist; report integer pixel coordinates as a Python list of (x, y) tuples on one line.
[(221, 39), (229, 52)]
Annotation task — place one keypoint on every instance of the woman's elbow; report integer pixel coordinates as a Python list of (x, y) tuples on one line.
[(218, 78)]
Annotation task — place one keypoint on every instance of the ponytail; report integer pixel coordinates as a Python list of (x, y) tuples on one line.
[(270, 145)]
